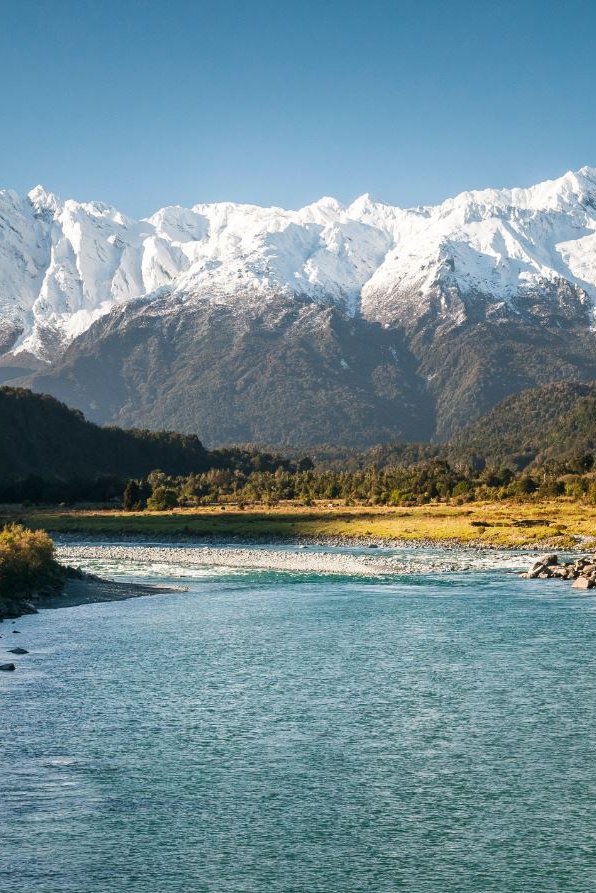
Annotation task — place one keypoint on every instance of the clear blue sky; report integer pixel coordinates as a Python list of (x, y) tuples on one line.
[(143, 103)]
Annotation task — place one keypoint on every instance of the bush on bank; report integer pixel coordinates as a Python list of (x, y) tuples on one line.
[(27, 565)]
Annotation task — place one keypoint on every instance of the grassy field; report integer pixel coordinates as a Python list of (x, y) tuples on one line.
[(500, 523)]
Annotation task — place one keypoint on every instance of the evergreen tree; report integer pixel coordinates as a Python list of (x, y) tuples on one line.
[(132, 497)]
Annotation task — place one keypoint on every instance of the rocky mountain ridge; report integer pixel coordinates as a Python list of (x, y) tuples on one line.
[(351, 324), (488, 253)]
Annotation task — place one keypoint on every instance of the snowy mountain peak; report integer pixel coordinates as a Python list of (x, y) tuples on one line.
[(43, 200), (363, 204), (63, 264), (550, 195)]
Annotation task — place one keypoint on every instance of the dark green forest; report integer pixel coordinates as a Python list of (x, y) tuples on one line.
[(50, 453), (541, 425), (541, 441)]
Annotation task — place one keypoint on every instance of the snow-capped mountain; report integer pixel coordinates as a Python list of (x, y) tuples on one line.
[(347, 324), (65, 264)]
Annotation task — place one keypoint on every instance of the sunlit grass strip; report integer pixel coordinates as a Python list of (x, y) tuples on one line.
[(498, 524)]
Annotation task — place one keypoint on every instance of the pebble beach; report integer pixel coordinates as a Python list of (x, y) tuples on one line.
[(293, 560)]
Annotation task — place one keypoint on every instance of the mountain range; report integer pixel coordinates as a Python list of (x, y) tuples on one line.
[(348, 324)]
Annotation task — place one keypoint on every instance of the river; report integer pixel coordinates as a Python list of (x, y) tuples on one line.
[(269, 731)]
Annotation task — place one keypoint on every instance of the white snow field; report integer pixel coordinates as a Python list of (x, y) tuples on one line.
[(63, 264)]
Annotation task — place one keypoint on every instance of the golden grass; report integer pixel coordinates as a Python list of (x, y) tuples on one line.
[(514, 524)]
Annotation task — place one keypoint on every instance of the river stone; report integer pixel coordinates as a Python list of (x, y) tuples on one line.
[(559, 571), (537, 569), (7, 667), (583, 583), (18, 651)]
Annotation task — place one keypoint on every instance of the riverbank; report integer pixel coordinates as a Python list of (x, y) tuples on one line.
[(88, 589), (271, 559), (142, 559), (553, 524), (76, 588)]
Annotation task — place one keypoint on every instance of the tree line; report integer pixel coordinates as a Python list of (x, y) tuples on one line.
[(243, 477), (434, 480)]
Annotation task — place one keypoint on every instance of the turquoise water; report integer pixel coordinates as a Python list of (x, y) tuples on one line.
[(296, 734)]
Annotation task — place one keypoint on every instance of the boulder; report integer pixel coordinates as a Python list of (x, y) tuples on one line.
[(18, 651), (549, 560), (537, 569), (559, 571), (7, 668), (583, 583)]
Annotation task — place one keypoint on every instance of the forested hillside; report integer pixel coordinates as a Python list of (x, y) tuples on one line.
[(39, 435), (50, 453), (550, 423)]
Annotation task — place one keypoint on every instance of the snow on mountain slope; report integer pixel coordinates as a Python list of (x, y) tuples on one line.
[(496, 244), (63, 264)]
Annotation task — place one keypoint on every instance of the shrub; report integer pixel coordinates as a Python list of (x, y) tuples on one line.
[(575, 487), (26, 560), (162, 499)]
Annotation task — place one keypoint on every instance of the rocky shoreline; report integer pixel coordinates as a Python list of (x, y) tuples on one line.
[(582, 571), (250, 558), (77, 588), (322, 540), (181, 560)]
